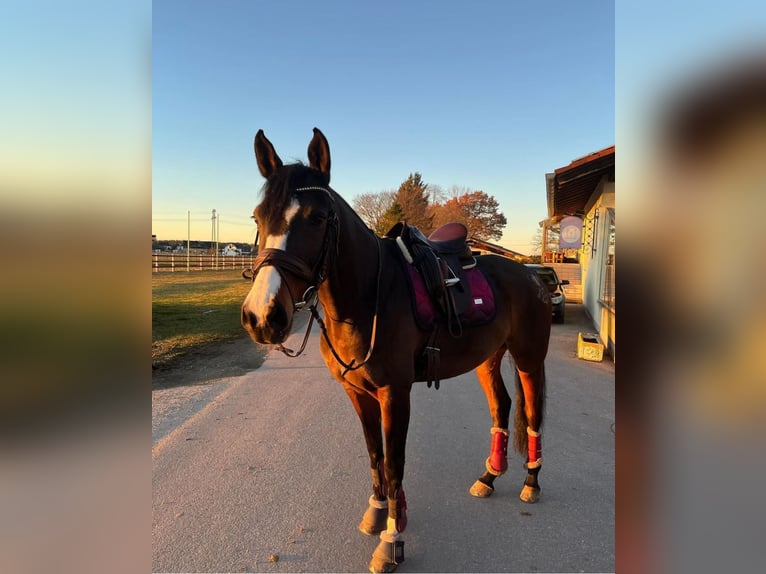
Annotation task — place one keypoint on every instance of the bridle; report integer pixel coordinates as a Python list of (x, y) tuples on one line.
[(282, 262)]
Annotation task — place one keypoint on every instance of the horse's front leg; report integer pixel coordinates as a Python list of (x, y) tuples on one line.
[(368, 409), (395, 411)]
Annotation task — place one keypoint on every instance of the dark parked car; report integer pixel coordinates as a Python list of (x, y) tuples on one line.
[(551, 280)]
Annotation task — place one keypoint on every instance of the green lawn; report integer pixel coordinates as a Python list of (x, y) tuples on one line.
[(194, 308)]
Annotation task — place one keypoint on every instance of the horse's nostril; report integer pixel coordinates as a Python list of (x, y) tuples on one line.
[(249, 318), (277, 317)]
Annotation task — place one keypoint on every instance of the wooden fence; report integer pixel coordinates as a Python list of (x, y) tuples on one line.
[(162, 262)]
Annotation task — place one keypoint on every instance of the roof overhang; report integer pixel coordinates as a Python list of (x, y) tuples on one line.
[(569, 188)]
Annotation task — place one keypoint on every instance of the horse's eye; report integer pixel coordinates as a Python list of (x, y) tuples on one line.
[(317, 218)]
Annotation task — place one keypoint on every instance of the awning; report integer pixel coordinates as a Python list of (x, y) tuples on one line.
[(570, 187)]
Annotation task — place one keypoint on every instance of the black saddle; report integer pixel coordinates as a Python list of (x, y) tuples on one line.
[(441, 259)]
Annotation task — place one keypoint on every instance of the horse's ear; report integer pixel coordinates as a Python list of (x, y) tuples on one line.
[(319, 153), (268, 160)]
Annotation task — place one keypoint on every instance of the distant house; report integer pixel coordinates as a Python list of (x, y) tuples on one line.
[(231, 249)]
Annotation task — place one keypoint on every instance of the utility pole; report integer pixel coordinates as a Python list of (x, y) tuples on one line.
[(217, 230), (212, 239), (188, 238)]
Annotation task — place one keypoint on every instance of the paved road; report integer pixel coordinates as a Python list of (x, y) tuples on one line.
[(273, 463)]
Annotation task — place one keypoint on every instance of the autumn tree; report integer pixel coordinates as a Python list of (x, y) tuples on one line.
[(476, 210), (428, 206)]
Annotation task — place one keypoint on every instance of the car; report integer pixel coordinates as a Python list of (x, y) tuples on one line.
[(551, 280)]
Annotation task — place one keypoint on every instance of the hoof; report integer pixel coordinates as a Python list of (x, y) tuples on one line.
[(481, 490), (374, 521), (388, 554), (382, 565), (530, 494)]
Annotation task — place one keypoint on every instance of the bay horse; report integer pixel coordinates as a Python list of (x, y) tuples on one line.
[(312, 245)]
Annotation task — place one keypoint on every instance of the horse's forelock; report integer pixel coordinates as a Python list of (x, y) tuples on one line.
[(279, 189)]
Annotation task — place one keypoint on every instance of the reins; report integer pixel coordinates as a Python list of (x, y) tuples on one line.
[(283, 261), (373, 336)]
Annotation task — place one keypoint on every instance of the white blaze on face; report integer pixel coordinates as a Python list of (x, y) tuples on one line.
[(267, 281)]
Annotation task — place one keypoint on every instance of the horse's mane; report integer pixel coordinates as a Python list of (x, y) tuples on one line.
[(277, 191)]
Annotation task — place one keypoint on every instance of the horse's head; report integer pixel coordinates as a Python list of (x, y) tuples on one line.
[(297, 228)]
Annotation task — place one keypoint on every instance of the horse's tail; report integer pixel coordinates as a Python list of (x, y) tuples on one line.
[(521, 421)]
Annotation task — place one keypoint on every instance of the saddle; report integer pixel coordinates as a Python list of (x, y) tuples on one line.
[(445, 285), (441, 260)]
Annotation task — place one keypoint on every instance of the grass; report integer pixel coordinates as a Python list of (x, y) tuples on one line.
[(191, 309)]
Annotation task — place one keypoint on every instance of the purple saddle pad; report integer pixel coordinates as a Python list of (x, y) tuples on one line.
[(480, 312)]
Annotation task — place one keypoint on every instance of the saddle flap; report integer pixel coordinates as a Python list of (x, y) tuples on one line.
[(440, 260)]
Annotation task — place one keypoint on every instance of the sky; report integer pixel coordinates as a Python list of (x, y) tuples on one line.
[(488, 95)]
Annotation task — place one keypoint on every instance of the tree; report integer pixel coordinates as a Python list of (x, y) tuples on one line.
[(372, 206), (412, 198), (553, 240), (393, 215), (476, 210)]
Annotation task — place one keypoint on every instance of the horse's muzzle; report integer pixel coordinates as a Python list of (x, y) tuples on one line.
[(272, 329)]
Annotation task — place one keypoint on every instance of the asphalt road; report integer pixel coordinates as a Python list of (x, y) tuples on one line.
[(273, 464)]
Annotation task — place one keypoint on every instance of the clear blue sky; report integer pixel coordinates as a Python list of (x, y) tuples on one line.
[(489, 95)]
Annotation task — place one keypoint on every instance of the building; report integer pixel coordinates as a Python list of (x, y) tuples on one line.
[(585, 189), (230, 250)]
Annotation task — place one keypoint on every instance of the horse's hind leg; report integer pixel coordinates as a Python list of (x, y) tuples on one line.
[(499, 408), (528, 421)]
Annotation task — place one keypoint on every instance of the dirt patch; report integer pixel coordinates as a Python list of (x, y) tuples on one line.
[(211, 361)]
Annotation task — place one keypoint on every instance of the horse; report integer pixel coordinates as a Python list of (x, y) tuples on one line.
[(313, 246)]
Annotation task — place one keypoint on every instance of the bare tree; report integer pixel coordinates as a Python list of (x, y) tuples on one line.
[(455, 191), (372, 206), (537, 242)]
